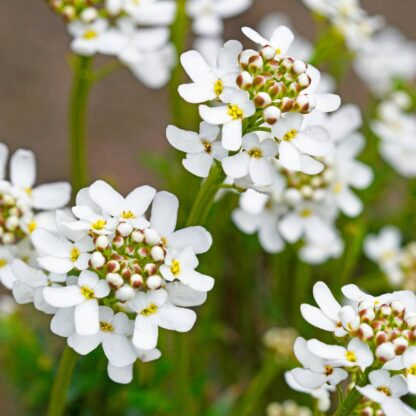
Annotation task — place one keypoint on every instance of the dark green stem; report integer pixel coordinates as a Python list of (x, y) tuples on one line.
[(77, 120), (62, 381), (352, 400)]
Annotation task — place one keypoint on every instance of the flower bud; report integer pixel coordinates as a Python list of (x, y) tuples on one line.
[(8, 238), (114, 280), (287, 104), (306, 191), (287, 63), (137, 236), (124, 229), (268, 52), (365, 332), (367, 315), (381, 337), (299, 66), (89, 14), (271, 115), (262, 100), (97, 260), (150, 269), (154, 282), (12, 223), (157, 253), (411, 321), (136, 280), (304, 80), (118, 241), (102, 242), (400, 345), (255, 62), (126, 273), (151, 236), (259, 81), (398, 307), (385, 352), (293, 196), (129, 250), (125, 293), (276, 89), (245, 57), (113, 266), (244, 80), (142, 252), (385, 310)]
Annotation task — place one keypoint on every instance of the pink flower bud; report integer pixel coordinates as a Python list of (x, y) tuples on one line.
[(271, 115), (385, 352), (268, 53), (381, 337), (150, 269), (262, 100), (244, 80), (136, 280), (101, 242), (114, 280), (400, 345), (113, 266), (137, 236), (365, 332), (398, 307), (118, 241), (154, 282)]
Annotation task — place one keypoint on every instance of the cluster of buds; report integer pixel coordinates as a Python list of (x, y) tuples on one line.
[(276, 84), (131, 261), (280, 341), (16, 216), (376, 343), (86, 10), (287, 408)]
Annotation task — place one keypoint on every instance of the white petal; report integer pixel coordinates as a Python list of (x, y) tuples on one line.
[(214, 115), (197, 281), (186, 141), (327, 102), (145, 333), (261, 172), (198, 164), (140, 199), (48, 243), (195, 66), (232, 135), (197, 93), (86, 317), (63, 297), (84, 344), (51, 196), (281, 39), (107, 198), (88, 278), (317, 318), (291, 228), (236, 166), (289, 156), (326, 300), (118, 350), (182, 295), (254, 36), (176, 319), (196, 237), (62, 323), (23, 169), (164, 213), (122, 375)]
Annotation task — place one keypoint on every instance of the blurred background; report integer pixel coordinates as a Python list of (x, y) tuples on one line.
[(126, 119)]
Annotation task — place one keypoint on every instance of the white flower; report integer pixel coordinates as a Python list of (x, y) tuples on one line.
[(210, 83), (329, 316), (112, 335), (87, 36), (280, 40), (182, 267), (356, 354), (154, 311), (386, 390), (129, 209), (207, 15), (83, 297), (409, 363), (59, 255), (29, 284), (209, 48), (316, 371), (151, 12), (317, 251), (298, 145), (201, 149), (253, 160), (230, 116), (384, 249)]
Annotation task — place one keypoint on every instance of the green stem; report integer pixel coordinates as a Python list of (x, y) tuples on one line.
[(81, 83), (352, 400), (62, 381)]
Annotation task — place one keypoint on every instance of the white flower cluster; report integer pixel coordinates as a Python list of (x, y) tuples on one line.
[(112, 277), (376, 346), (287, 408), (386, 58), (396, 128), (349, 18), (135, 32), (23, 208), (305, 207), (207, 23), (397, 262)]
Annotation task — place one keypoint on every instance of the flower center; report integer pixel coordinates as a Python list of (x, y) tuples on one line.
[(385, 390), (175, 268), (290, 135), (278, 51), (411, 370), (305, 213), (218, 87), (99, 224), (235, 112), (256, 153), (350, 355), (3, 262), (87, 292), (106, 327), (90, 34), (338, 187), (328, 370), (128, 215), (75, 253), (151, 309), (28, 191), (207, 145)]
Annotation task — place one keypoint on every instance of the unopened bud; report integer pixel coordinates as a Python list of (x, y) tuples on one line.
[(157, 253), (151, 236), (89, 14), (124, 229), (136, 280), (113, 266), (125, 293), (299, 66), (287, 63), (367, 315), (385, 310), (255, 63), (400, 345), (259, 81), (245, 57), (304, 80), (137, 236), (287, 104), (150, 269), (102, 242), (97, 260), (385, 352), (381, 337), (271, 115), (114, 280), (118, 241), (142, 252), (244, 80), (398, 307), (126, 273), (365, 332), (154, 282), (262, 100), (268, 52), (12, 223)]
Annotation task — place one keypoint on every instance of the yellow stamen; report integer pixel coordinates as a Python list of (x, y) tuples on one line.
[(32, 226), (385, 390), (350, 355), (328, 370), (175, 268), (412, 370), (87, 292), (151, 309), (256, 153), (75, 253), (218, 88), (235, 112), (90, 34), (106, 327), (305, 213), (338, 187), (3, 262), (99, 224), (128, 215), (28, 191), (290, 135), (208, 146), (278, 51)]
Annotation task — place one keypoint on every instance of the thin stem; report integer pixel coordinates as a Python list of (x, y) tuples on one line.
[(106, 70), (62, 381), (77, 120), (352, 400)]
